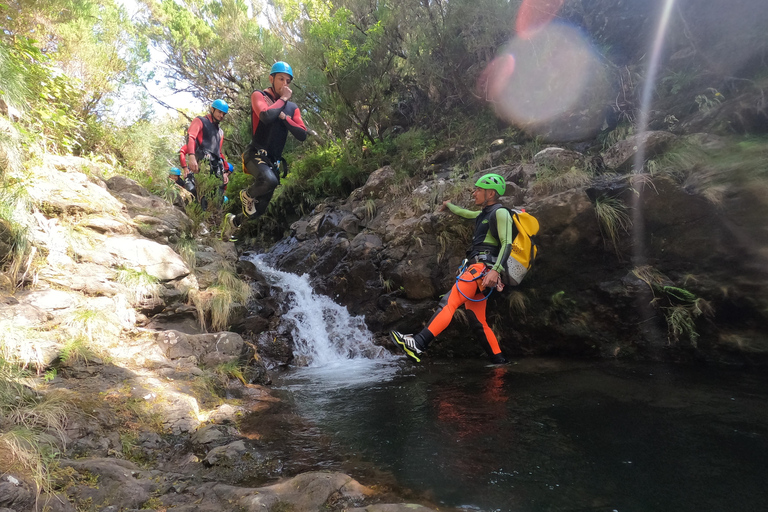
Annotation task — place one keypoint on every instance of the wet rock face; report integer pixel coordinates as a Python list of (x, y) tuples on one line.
[(583, 296)]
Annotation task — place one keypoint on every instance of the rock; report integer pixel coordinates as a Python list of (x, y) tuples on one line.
[(107, 225), (559, 159), (123, 184), (211, 349), (49, 299), (226, 455), (155, 217), (378, 183), (308, 491), (207, 435), (156, 259), (392, 507), (86, 277), (16, 493), (58, 188), (182, 319), (621, 155), (226, 414), (25, 315), (117, 482)]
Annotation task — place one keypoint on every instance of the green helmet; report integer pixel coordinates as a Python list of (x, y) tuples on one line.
[(493, 182)]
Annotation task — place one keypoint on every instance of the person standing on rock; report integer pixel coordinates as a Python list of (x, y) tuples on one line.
[(205, 140), (481, 271), (273, 117)]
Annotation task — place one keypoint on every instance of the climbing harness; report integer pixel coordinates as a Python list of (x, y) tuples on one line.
[(463, 268)]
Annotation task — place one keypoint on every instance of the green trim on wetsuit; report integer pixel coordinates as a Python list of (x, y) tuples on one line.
[(504, 227)]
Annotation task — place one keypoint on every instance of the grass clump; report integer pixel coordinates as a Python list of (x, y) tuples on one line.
[(186, 247), (32, 427), (216, 302), (550, 181), (93, 325), (712, 170), (143, 286), (14, 233), (613, 219), (681, 307)]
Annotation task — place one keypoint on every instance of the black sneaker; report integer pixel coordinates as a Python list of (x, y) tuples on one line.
[(499, 359), (408, 344)]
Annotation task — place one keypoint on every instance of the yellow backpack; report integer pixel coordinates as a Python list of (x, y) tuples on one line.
[(524, 247)]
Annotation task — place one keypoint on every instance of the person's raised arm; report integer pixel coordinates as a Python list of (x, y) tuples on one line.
[(266, 113)]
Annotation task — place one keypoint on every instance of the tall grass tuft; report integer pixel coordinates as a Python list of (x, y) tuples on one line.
[(217, 301), (681, 307), (32, 427), (142, 285), (186, 247), (550, 181), (613, 219), (14, 233)]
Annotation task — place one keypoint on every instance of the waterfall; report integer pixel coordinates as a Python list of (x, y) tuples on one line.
[(324, 333)]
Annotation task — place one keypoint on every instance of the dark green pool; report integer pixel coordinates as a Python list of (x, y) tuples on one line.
[(543, 435)]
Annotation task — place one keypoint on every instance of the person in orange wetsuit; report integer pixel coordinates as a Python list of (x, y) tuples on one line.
[(273, 117), (491, 246)]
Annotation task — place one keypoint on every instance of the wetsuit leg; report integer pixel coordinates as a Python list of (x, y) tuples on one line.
[(465, 287), (264, 183), (479, 324)]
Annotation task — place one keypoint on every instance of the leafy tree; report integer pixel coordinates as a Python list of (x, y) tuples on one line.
[(74, 56)]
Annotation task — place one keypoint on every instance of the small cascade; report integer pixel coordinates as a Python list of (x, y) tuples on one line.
[(324, 333)]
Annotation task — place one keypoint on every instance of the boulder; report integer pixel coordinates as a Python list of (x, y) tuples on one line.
[(377, 184), (559, 159), (620, 157), (308, 491), (57, 187), (156, 259), (210, 349), (119, 481), (122, 184)]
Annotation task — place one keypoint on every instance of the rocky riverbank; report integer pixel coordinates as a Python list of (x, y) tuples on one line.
[(134, 403)]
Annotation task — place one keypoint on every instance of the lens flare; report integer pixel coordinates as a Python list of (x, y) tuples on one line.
[(551, 83), (534, 15)]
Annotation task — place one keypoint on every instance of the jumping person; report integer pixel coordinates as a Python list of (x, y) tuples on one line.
[(273, 117), (480, 274)]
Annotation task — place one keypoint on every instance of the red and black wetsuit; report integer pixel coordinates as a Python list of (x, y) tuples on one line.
[(270, 134), (204, 137)]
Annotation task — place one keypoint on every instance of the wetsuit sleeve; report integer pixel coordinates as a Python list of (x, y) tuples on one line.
[(221, 151), (296, 125), (461, 212), (183, 156), (265, 113), (505, 229), (195, 133)]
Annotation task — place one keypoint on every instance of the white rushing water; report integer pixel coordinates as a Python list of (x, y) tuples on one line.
[(325, 335)]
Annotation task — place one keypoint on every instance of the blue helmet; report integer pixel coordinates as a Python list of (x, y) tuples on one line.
[(231, 167), (220, 105), (281, 67), (175, 171)]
